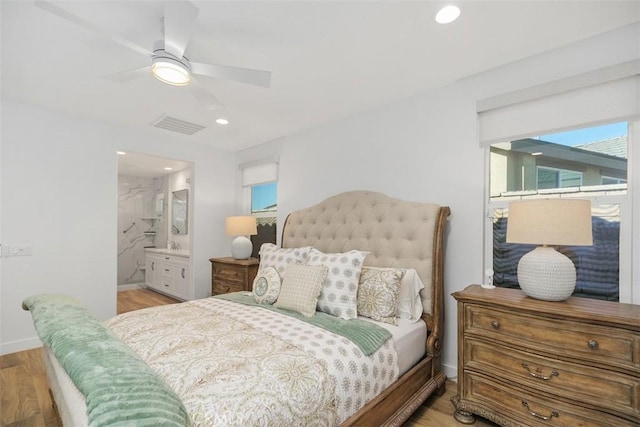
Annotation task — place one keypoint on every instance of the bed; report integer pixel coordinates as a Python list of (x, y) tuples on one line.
[(361, 371)]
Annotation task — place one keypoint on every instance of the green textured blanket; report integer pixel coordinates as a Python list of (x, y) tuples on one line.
[(367, 336), (119, 388)]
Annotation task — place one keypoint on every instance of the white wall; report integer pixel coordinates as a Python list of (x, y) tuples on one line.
[(426, 149), (59, 196)]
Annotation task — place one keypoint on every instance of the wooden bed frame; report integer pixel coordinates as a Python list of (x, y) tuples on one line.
[(370, 221)]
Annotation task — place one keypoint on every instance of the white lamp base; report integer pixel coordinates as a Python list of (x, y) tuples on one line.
[(241, 248), (546, 274)]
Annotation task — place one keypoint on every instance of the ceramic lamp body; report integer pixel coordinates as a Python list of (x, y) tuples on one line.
[(241, 247), (546, 274)]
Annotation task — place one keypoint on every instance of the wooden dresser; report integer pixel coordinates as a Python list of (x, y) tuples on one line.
[(232, 275), (525, 362)]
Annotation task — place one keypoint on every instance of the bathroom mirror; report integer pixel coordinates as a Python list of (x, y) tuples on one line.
[(179, 212)]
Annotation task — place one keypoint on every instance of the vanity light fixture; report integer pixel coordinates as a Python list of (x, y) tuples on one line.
[(447, 14), (222, 121), (121, 153)]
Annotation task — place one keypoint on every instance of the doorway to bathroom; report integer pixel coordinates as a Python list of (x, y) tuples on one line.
[(153, 195)]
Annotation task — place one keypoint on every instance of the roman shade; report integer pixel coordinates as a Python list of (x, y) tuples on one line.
[(259, 173), (602, 96)]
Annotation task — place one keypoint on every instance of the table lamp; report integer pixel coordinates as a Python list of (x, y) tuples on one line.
[(241, 226), (545, 273)]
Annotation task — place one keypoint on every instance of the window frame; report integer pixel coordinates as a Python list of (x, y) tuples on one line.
[(629, 291)]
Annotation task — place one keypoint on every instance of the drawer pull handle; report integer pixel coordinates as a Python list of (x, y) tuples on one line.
[(593, 344), (537, 415), (495, 324), (539, 376)]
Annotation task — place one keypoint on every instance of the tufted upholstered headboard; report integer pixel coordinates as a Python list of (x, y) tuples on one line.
[(397, 233)]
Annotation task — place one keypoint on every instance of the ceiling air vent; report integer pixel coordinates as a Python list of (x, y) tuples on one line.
[(176, 125)]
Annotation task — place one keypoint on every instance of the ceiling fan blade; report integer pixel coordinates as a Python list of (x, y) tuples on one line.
[(179, 19), (244, 75), (61, 13), (203, 96), (129, 75)]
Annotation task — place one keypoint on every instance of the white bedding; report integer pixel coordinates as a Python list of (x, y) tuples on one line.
[(409, 337)]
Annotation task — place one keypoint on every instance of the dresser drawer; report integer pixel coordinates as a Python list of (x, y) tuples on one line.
[(224, 287), (229, 273), (592, 343), (605, 390), (526, 408)]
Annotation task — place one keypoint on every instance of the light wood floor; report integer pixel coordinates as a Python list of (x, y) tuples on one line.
[(25, 399)]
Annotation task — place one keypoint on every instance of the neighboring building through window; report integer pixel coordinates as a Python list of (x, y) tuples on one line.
[(588, 163)]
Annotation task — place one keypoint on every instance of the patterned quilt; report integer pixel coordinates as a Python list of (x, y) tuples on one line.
[(236, 365)]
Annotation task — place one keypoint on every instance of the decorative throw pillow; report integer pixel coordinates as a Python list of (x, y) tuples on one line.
[(409, 301), (301, 287), (339, 295), (266, 286), (378, 292), (278, 258)]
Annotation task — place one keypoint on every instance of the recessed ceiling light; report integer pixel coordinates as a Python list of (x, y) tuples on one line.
[(121, 153), (222, 121), (168, 169), (447, 14)]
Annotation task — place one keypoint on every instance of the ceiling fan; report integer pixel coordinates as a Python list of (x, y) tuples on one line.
[(168, 63)]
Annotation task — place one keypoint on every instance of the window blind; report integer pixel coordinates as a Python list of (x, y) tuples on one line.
[(606, 95), (260, 173)]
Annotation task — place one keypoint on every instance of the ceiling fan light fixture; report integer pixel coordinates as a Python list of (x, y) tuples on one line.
[(170, 71)]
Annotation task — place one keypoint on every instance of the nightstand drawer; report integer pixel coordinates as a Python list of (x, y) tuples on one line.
[(533, 409), (606, 390), (613, 346), (220, 287), (229, 273)]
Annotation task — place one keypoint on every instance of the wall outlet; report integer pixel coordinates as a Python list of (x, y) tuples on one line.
[(16, 251)]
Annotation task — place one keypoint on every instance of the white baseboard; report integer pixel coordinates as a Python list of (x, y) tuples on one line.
[(450, 371), (131, 286), (20, 345)]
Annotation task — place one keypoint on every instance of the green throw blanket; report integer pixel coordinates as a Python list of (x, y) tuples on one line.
[(119, 388), (367, 336)]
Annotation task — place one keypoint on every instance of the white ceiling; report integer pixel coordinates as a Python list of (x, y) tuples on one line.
[(329, 59)]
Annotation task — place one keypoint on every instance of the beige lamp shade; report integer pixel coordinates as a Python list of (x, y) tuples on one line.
[(550, 222), (241, 226), (545, 273)]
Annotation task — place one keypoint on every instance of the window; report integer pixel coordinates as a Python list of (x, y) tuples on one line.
[(557, 178), (588, 163), (264, 201), (261, 192)]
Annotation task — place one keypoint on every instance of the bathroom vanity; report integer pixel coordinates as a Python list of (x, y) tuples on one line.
[(168, 271)]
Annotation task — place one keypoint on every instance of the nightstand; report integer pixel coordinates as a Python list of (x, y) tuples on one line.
[(232, 275), (527, 362)]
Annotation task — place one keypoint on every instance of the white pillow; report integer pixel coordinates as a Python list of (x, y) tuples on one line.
[(339, 296), (266, 286), (409, 302), (278, 258)]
